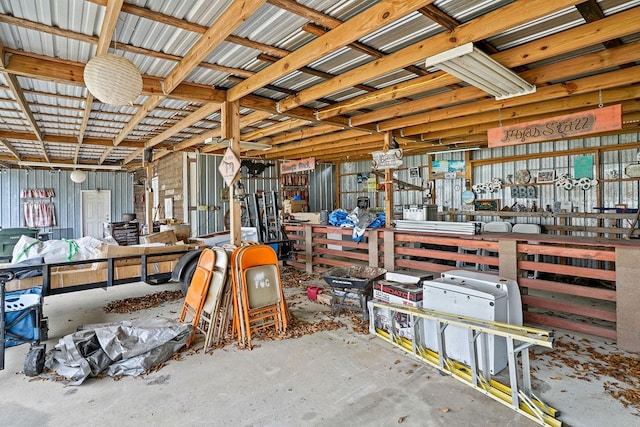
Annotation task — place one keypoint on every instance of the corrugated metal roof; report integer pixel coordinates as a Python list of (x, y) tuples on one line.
[(56, 97)]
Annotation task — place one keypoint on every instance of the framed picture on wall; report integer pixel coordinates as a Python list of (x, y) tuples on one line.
[(547, 175)]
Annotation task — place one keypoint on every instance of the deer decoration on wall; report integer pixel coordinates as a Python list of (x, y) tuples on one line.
[(255, 168)]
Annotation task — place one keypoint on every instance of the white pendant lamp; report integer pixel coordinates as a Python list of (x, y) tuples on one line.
[(78, 176), (113, 79)]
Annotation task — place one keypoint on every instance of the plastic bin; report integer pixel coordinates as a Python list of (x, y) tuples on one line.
[(10, 236)]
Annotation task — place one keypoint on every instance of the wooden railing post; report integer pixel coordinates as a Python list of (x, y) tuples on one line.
[(308, 248), (627, 298), (373, 248), (389, 250), (508, 259)]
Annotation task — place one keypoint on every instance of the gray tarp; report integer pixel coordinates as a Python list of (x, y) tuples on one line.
[(124, 348)]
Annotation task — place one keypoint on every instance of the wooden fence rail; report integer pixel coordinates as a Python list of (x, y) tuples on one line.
[(577, 287)]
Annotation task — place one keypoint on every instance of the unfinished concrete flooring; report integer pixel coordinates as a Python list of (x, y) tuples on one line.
[(330, 378)]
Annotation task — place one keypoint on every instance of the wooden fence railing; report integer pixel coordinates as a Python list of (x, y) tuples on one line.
[(577, 286)]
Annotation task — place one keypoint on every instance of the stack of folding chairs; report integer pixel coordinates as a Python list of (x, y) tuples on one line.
[(235, 291), (258, 301)]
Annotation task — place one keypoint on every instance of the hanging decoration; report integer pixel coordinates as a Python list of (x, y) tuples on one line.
[(113, 79), (78, 176), (491, 187), (568, 183)]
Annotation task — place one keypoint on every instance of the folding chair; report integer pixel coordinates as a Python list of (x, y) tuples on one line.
[(212, 303), (259, 297), (493, 227), (196, 294)]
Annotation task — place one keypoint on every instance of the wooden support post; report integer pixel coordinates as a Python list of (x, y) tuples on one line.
[(231, 130), (388, 184)]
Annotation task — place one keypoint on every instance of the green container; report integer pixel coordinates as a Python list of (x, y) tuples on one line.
[(10, 236)]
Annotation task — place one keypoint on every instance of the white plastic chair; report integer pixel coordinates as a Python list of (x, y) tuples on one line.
[(529, 229), (494, 227), (471, 251)]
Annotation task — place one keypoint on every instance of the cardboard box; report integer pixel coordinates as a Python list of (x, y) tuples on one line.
[(162, 237), (31, 282), (293, 206), (396, 293)]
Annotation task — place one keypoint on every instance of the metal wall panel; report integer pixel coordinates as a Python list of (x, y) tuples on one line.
[(67, 199), (611, 190), (210, 183)]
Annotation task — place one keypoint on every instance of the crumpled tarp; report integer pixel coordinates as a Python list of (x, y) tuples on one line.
[(123, 348), (358, 219)]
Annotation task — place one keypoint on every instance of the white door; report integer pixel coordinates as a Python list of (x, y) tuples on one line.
[(96, 210)]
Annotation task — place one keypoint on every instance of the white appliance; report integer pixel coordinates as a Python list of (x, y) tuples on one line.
[(472, 294)]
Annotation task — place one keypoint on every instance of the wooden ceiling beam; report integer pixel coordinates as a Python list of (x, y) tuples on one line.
[(67, 72), (362, 48), (560, 71), (217, 132), (10, 148), (234, 15), (366, 22), (306, 12), (63, 139), (421, 123), (479, 123), (619, 25), (478, 29), (313, 72), (13, 83), (188, 121), (307, 132), (283, 126)]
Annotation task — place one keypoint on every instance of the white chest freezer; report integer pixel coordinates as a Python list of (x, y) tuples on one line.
[(453, 295)]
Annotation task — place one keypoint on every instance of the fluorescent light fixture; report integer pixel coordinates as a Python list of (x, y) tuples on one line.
[(244, 145), (69, 166), (454, 150), (475, 67)]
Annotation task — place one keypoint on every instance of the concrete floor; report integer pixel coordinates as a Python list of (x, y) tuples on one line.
[(330, 378)]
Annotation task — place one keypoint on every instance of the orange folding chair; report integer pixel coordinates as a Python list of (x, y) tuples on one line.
[(198, 288)]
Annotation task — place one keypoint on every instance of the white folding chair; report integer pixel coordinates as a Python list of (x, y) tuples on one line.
[(471, 251), (494, 227)]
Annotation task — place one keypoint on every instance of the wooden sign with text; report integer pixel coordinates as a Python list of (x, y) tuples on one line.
[(302, 165), (584, 123)]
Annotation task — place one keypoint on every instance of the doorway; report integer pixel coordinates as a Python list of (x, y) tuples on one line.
[(96, 210)]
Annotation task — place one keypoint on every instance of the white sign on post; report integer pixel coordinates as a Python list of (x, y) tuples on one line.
[(229, 166), (391, 159)]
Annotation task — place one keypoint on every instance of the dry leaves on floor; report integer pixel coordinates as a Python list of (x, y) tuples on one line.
[(298, 328), (129, 305), (293, 278), (590, 364)]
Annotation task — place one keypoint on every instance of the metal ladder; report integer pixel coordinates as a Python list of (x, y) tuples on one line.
[(517, 394)]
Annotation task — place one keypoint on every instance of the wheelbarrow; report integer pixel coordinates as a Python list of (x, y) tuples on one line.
[(355, 282)]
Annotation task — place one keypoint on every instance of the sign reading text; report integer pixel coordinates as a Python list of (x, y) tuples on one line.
[(391, 159), (584, 123), (302, 165)]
